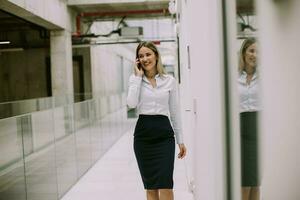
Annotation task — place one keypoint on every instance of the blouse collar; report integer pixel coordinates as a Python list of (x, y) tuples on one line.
[(156, 77), (243, 76)]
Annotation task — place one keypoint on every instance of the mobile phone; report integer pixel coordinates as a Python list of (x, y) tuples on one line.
[(139, 65)]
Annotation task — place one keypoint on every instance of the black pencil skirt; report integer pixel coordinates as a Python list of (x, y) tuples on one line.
[(249, 149), (154, 148)]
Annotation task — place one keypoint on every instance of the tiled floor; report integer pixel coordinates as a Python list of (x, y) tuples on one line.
[(115, 176)]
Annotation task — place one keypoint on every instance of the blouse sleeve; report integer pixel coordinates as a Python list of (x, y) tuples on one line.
[(175, 112), (134, 91)]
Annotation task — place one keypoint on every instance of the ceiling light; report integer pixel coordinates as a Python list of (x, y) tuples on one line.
[(11, 50), (5, 42)]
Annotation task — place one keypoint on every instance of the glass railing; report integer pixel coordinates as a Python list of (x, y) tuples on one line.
[(15, 108), (44, 153)]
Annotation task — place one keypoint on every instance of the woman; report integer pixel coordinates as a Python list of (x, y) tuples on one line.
[(154, 94), (249, 107)]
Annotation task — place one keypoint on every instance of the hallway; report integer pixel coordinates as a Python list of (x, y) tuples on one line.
[(115, 176), (66, 131)]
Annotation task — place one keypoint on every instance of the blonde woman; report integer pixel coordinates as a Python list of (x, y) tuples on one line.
[(154, 94)]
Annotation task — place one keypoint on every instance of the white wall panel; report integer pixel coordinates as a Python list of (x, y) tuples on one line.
[(280, 123), (203, 33)]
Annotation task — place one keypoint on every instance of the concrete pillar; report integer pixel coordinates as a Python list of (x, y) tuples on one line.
[(61, 64)]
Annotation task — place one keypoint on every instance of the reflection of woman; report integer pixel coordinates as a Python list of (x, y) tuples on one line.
[(249, 105), (154, 93)]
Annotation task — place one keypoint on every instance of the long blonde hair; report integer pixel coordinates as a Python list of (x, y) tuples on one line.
[(159, 66), (247, 43)]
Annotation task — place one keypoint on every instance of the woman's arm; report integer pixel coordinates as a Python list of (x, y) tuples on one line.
[(134, 91), (175, 112), (176, 119)]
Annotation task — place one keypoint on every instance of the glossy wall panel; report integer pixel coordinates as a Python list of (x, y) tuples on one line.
[(44, 153), (40, 165), (95, 131), (82, 134), (12, 179), (65, 151)]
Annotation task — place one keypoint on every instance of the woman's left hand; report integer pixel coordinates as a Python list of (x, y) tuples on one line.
[(182, 150)]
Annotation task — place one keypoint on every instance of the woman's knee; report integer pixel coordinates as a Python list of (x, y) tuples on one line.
[(165, 191), (152, 192)]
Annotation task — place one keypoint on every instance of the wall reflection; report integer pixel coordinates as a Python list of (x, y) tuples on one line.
[(12, 181), (44, 153), (249, 100)]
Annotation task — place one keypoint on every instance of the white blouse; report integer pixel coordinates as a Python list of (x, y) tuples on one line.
[(249, 94), (161, 100)]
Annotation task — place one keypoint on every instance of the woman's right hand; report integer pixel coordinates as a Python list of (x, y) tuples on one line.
[(182, 151), (137, 71)]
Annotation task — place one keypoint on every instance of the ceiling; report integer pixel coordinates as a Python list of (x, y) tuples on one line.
[(87, 6), (113, 10), (137, 9), (10, 23), (21, 33), (245, 7), (131, 9)]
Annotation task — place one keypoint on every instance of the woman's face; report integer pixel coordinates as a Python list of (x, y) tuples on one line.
[(147, 58), (250, 56)]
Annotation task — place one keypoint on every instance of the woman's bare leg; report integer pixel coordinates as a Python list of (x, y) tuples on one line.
[(166, 194), (246, 193), (254, 193), (152, 194)]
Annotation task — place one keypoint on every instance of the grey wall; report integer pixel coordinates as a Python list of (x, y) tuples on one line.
[(86, 55), (110, 68), (23, 74)]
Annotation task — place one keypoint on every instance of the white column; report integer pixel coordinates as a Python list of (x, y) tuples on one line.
[(61, 64), (186, 99), (203, 83), (280, 122)]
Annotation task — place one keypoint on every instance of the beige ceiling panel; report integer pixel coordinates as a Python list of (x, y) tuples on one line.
[(245, 6), (87, 2), (130, 9)]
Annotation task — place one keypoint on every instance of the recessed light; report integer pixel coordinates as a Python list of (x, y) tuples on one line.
[(4, 42), (11, 50)]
